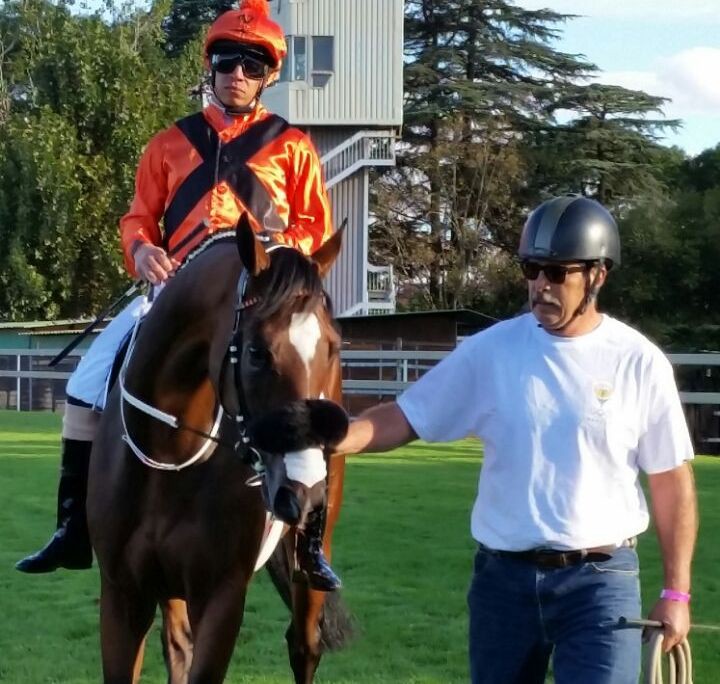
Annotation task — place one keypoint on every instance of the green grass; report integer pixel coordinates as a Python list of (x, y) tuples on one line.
[(402, 547)]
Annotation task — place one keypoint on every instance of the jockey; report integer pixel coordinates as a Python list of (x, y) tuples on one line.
[(196, 178)]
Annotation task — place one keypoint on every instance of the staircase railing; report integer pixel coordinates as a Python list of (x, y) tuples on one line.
[(381, 293), (381, 284), (365, 148)]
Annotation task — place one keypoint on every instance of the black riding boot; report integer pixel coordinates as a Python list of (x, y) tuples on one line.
[(311, 558), (70, 546)]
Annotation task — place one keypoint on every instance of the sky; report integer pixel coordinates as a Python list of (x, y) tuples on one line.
[(669, 48)]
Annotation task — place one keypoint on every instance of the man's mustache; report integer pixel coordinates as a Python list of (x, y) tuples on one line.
[(545, 299)]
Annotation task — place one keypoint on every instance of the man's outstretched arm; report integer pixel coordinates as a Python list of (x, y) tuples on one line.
[(381, 428), (319, 423)]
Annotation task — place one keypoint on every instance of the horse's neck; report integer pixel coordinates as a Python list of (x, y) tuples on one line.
[(172, 371)]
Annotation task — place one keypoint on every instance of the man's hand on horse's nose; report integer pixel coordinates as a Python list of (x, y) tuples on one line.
[(153, 264), (300, 425)]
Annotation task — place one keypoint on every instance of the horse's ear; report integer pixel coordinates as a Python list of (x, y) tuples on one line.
[(252, 253), (326, 255)]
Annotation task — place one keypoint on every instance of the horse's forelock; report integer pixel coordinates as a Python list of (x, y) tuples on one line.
[(291, 281)]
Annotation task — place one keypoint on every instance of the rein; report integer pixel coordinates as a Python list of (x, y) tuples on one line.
[(252, 455), (161, 416)]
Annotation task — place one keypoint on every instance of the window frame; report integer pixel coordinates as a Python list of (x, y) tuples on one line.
[(310, 76)]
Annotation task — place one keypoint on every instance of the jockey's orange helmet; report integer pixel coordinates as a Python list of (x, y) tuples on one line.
[(249, 25)]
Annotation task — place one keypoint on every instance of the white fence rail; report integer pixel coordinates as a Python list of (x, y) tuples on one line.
[(26, 381), (369, 376), (383, 372), (370, 372)]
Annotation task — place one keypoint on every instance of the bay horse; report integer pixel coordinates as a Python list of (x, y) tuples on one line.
[(187, 538)]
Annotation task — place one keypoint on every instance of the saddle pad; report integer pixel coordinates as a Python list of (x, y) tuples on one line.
[(271, 536)]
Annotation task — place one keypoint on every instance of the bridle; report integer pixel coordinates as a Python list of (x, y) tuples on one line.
[(242, 446)]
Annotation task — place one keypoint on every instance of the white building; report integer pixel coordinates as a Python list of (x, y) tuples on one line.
[(343, 83)]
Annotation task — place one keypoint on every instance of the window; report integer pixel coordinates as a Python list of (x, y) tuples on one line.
[(323, 61), (317, 66), (299, 58), (285, 69), (322, 53), (294, 67)]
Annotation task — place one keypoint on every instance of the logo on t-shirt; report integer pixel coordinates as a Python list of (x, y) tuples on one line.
[(602, 390)]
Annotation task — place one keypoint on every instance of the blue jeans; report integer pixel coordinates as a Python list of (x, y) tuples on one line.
[(521, 614)]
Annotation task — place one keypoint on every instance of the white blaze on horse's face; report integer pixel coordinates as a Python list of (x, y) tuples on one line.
[(304, 335)]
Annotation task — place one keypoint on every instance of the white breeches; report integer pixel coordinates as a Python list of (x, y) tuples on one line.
[(89, 381)]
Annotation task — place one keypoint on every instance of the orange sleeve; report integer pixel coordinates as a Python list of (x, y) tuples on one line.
[(142, 221), (310, 221)]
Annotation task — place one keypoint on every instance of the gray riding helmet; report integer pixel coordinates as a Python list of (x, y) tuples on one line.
[(571, 228)]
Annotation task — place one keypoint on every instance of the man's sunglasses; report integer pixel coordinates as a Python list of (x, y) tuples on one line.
[(252, 67), (555, 273)]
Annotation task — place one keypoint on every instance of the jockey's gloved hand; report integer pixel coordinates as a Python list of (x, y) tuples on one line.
[(300, 425)]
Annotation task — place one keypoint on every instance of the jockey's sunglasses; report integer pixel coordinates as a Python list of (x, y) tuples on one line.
[(555, 273), (252, 67)]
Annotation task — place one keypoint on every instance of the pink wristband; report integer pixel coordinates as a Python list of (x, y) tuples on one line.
[(673, 595)]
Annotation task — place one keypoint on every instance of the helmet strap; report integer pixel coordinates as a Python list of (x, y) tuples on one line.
[(592, 288)]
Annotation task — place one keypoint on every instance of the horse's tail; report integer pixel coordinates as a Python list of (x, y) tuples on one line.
[(337, 627)]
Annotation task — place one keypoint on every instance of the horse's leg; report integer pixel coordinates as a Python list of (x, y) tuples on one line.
[(305, 633), (215, 621), (176, 640), (124, 623)]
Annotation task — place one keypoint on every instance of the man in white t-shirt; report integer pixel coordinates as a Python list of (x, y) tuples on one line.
[(571, 406)]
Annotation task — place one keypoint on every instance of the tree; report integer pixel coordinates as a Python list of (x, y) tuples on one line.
[(85, 96), (483, 144), (479, 75), (671, 246), (186, 20), (609, 150)]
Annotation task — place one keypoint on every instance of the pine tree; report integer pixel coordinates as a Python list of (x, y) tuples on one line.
[(609, 149), (497, 119), (479, 74)]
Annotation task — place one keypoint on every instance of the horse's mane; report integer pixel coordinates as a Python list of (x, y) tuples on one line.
[(290, 276)]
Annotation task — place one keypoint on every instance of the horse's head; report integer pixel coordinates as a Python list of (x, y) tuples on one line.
[(288, 345)]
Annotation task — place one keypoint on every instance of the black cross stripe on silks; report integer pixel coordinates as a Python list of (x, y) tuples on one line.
[(231, 162)]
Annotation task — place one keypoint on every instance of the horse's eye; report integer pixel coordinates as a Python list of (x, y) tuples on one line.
[(258, 354)]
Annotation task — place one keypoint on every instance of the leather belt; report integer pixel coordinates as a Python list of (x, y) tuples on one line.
[(556, 558)]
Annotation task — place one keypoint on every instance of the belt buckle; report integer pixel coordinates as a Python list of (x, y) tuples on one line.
[(553, 560), (558, 560)]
